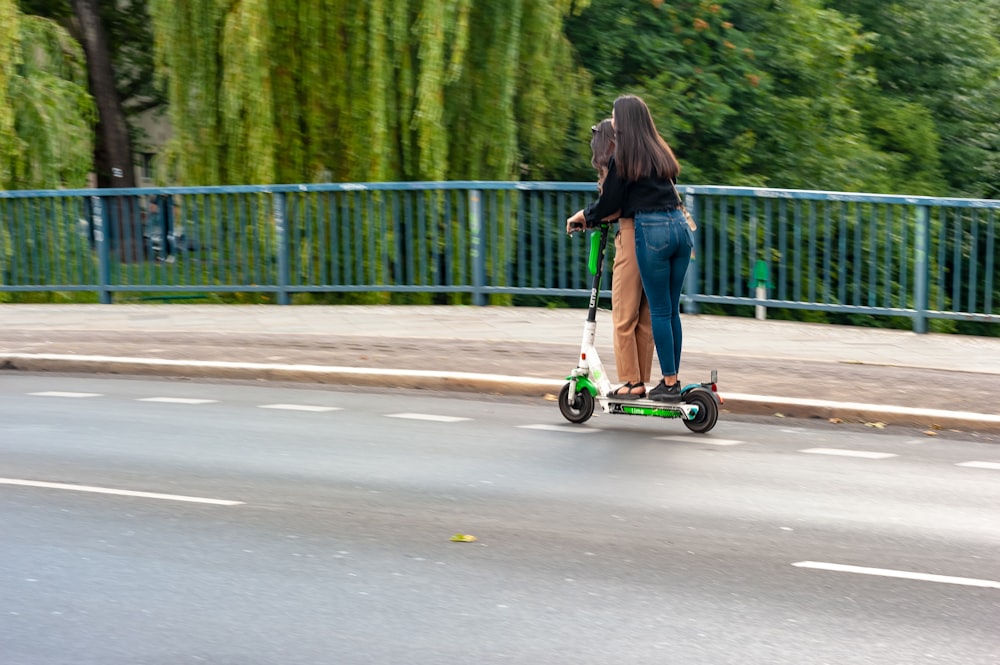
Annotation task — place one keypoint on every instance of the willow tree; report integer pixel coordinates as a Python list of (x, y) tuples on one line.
[(307, 90), (46, 114)]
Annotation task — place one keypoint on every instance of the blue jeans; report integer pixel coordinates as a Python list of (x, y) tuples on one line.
[(663, 245)]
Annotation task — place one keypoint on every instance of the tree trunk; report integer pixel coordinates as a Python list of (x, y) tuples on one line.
[(113, 149)]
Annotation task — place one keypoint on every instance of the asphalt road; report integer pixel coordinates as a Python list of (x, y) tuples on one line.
[(256, 524)]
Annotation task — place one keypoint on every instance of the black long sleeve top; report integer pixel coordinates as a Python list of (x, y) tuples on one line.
[(649, 194)]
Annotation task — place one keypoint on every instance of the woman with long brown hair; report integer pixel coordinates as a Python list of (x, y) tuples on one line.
[(633, 331)]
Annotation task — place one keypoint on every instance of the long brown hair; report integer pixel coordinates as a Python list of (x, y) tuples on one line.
[(640, 151), (602, 147)]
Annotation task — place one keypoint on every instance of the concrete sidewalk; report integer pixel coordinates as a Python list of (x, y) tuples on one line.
[(765, 367)]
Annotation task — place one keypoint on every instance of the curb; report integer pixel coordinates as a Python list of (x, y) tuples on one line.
[(735, 403)]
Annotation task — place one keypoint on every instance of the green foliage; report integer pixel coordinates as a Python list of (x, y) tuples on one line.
[(324, 90), (856, 95), (46, 114), (943, 55)]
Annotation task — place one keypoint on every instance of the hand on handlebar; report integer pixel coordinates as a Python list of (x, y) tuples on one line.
[(576, 223)]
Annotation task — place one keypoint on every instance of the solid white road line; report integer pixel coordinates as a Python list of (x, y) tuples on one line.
[(885, 572), (938, 414), (56, 393), (575, 429), (299, 407), (108, 490), (981, 465), (177, 400), (700, 438), (847, 453), (426, 416)]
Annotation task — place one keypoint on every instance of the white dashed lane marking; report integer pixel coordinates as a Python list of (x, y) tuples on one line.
[(177, 400), (575, 429), (299, 407), (109, 490), (56, 393), (904, 574), (981, 465), (848, 453), (699, 438), (427, 416)]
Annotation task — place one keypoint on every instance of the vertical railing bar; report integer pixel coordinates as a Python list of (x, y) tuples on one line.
[(509, 224), (52, 242), (811, 256), (781, 270), (873, 218), (973, 280), (100, 239), (464, 238), (738, 231), (358, 239), (711, 257), (522, 244), (991, 250), (321, 270), (842, 260), (956, 258), (255, 242), (753, 254), (533, 235), (373, 228), (905, 270), (422, 267), (941, 239), (769, 244), (336, 240), (281, 230), (395, 251), (887, 260), (31, 271), (390, 248), (920, 269), (858, 264), (476, 248), (547, 240), (496, 275), (724, 244), (410, 236)]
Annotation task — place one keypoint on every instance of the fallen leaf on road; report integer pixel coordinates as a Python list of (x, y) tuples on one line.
[(463, 538), (836, 421), (930, 432), (875, 425), (779, 415), (549, 397)]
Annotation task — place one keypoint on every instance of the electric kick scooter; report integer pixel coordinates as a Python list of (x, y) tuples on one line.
[(700, 402)]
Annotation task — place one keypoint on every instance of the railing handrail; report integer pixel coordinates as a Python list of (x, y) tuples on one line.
[(716, 190)]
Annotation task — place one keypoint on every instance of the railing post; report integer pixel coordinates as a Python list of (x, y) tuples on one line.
[(921, 269), (760, 282), (476, 246), (691, 278), (98, 221), (281, 233)]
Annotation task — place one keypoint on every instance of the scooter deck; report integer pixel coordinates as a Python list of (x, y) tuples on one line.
[(649, 407)]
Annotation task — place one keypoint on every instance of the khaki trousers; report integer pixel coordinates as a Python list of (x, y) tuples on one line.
[(633, 331)]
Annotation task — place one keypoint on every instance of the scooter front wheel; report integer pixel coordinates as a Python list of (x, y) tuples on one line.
[(581, 408)]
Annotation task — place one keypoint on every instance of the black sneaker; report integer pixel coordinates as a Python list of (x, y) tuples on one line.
[(664, 393)]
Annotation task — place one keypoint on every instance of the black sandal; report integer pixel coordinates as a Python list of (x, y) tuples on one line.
[(618, 394)]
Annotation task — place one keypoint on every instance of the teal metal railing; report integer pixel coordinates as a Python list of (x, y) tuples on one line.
[(917, 257)]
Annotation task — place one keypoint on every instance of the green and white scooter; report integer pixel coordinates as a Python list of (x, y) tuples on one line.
[(588, 384)]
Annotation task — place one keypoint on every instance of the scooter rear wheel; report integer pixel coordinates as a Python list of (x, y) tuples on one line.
[(708, 410), (582, 407)]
